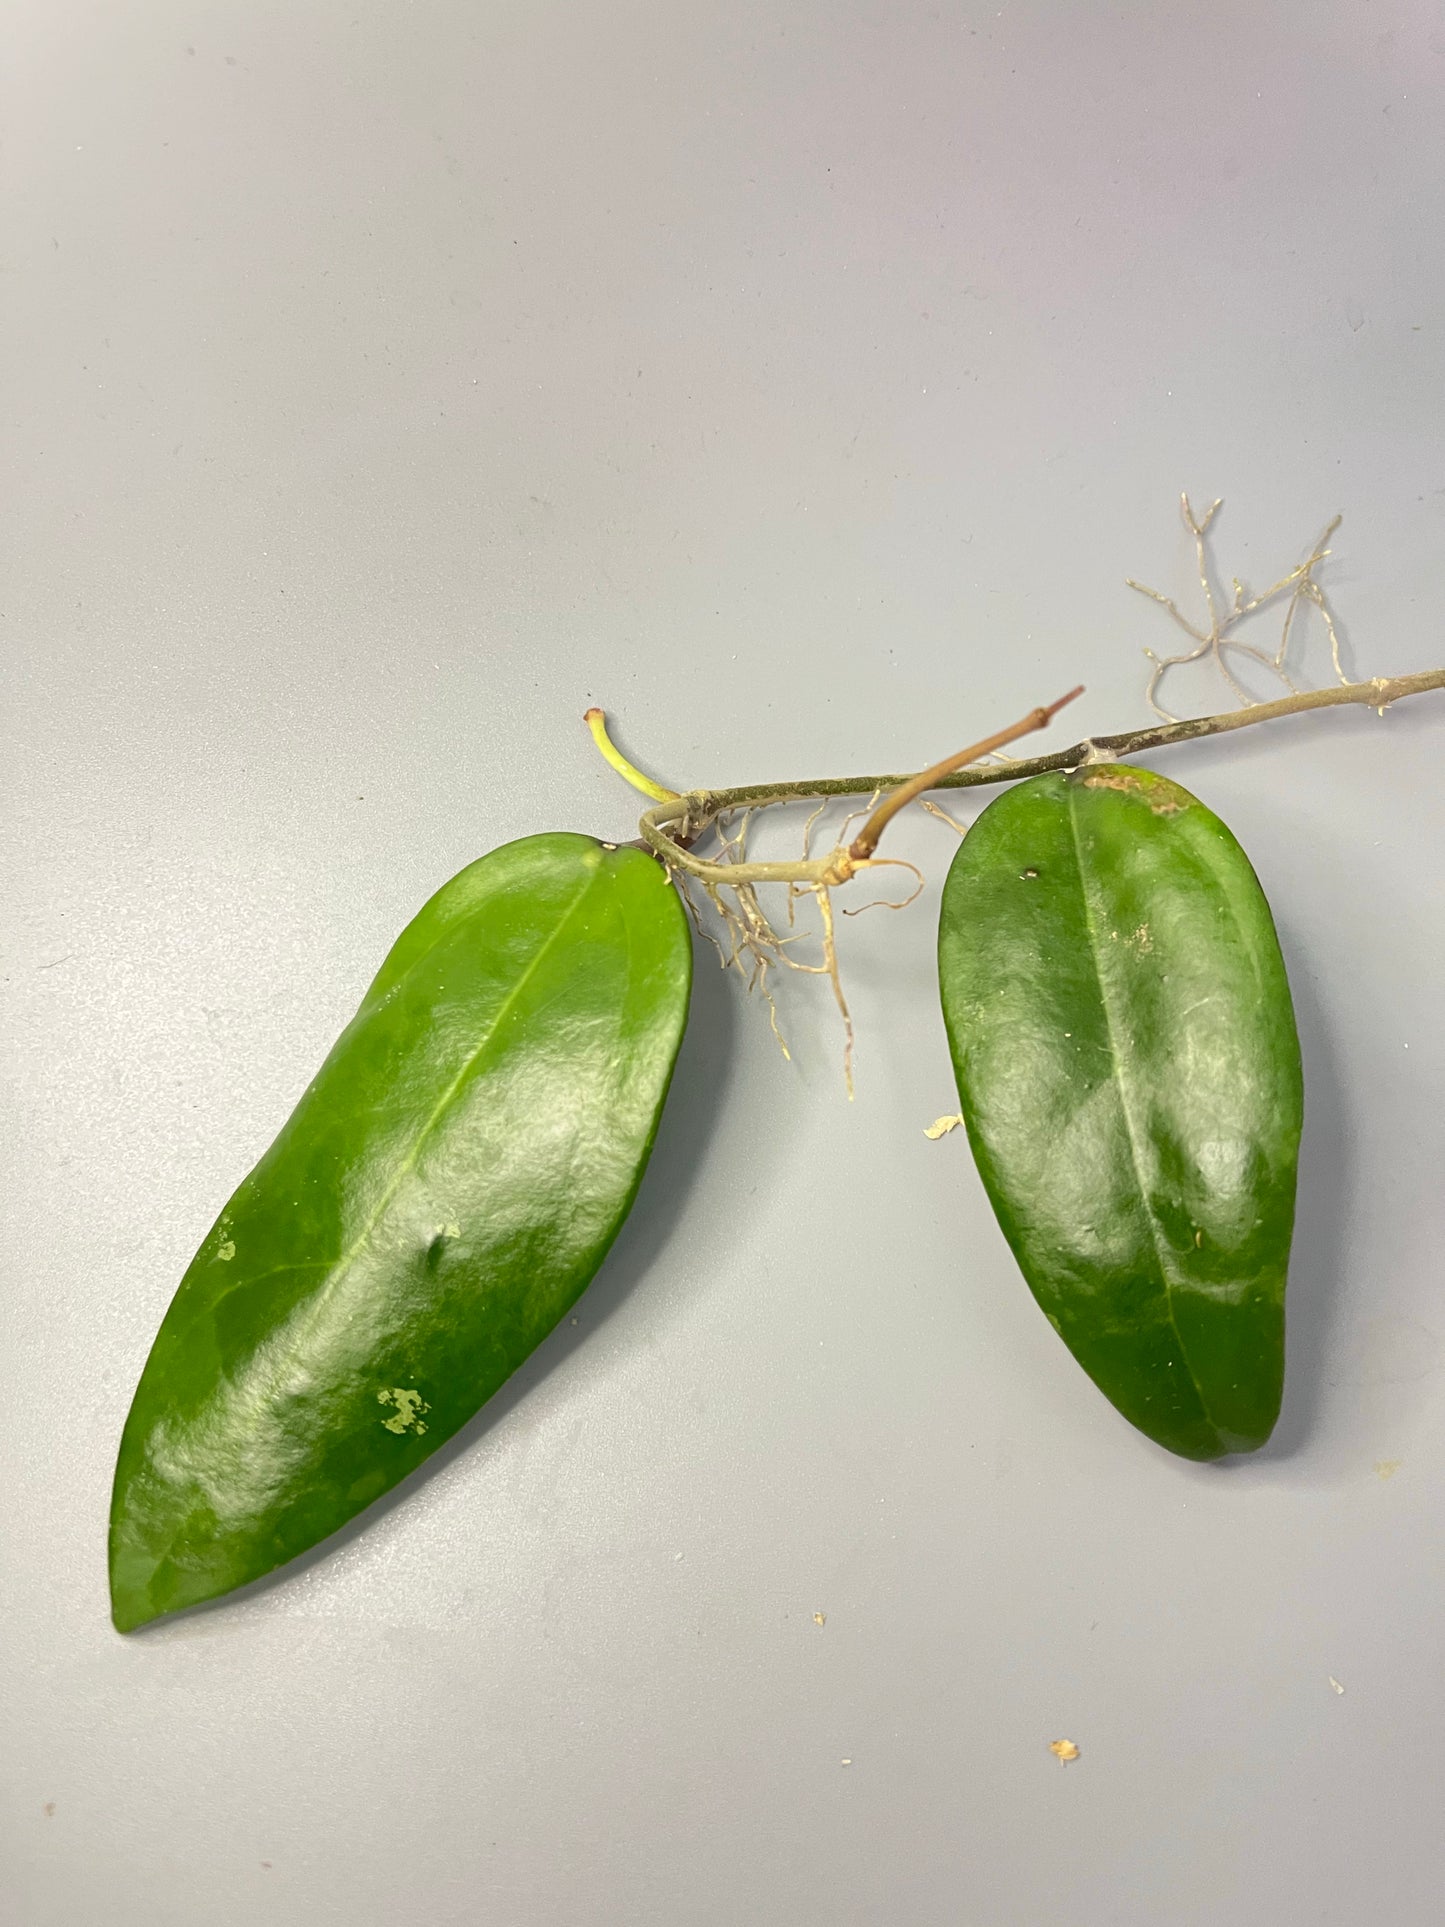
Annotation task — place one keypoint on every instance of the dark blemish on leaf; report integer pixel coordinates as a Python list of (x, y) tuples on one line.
[(1163, 797)]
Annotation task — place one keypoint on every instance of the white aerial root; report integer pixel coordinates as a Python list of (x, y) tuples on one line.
[(1300, 586)]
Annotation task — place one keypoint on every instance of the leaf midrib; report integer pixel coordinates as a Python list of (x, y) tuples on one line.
[(343, 1264), (1121, 1084)]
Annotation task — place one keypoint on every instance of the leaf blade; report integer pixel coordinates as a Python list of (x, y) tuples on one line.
[(1124, 1044), (445, 1189)]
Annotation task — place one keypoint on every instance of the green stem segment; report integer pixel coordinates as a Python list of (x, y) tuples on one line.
[(688, 815)]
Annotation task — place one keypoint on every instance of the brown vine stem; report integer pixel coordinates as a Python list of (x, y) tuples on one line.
[(675, 822), (866, 841), (687, 816)]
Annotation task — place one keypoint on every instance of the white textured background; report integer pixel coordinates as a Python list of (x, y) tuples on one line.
[(380, 385)]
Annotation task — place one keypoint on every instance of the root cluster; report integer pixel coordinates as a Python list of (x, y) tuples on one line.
[(727, 879)]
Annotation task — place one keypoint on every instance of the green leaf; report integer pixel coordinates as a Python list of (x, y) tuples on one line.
[(1129, 1073), (445, 1189)]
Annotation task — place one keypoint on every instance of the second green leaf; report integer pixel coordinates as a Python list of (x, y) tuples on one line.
[(1129, 1074)]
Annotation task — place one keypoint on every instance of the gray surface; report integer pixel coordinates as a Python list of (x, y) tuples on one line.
[(382, 384)]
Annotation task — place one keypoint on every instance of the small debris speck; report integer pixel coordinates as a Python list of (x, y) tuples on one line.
[(1063, 1751), (820, 1619), (941, 1126), (1387, 1468), (1336, 1684), (845, 1763)]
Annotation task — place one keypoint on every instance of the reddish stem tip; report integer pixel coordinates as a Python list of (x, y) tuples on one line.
[(1054, 708)]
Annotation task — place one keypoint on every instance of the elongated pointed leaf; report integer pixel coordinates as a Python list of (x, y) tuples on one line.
[(1129, 1073), (442, 1194)]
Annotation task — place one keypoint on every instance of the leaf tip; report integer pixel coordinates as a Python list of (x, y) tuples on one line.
[(129, 1609)]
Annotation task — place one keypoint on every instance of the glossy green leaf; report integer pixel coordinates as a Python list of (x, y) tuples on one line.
[(442, 1194), (1129, 1074)]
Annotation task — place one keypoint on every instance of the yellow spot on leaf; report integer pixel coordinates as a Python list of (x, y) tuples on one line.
[(409, 1407), (227, 1251), (1063, 1751), (941, 1126)]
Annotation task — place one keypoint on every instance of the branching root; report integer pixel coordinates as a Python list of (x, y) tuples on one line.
[(1299, 587)]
